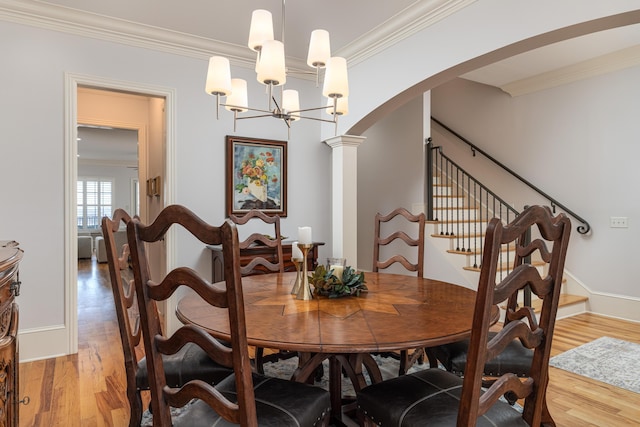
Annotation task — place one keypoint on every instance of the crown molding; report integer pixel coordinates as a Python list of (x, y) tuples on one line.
[(412, 19), (604, 64), (121, 31), (409, 21)]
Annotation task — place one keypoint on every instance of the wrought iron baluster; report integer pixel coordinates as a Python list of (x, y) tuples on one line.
[(448, 199), (457, 209), (440, 202)]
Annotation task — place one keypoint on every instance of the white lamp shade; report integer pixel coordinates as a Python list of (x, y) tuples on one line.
[(218, 76), (261, 29), (237, 99), (319, 49), (336, 83), (271, 66), (291, 102), (342, 106)]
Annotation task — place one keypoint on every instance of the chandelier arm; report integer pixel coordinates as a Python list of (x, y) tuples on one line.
[(276, 103), (309, 109), (255, 117), (246, 108), (301, 72), (284, 119), (319, 120)]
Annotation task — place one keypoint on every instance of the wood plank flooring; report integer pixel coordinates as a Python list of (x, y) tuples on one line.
[(88, 389)]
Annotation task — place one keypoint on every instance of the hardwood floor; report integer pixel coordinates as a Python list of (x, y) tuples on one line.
[(88, 389)]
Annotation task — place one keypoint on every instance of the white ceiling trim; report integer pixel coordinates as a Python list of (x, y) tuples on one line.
[(414, 18), (101, 27), (604, 64)]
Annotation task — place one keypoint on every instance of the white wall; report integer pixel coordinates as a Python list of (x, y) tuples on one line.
[(33, 137), (578, 143), (390, 172)]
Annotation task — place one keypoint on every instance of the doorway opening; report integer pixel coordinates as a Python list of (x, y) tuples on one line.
[(118, 136)]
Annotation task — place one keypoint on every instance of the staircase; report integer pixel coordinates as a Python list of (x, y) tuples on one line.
[(458, 226)]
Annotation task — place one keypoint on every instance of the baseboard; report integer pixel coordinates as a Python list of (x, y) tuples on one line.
[(43, 343), (611, 305)]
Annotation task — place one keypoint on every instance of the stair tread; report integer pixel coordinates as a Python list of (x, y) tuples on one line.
[(457, 236), (475, 252), (504, 266), (454, 221), (565, 300)]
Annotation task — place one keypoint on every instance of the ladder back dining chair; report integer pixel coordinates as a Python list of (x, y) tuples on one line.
[(437, 397), (259, 265), (190, 362), (271, 263), (396, 234), (245, 397)]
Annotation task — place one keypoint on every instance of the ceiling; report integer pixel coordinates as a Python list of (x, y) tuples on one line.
[(107, 146), (224, 25), (227, 24)]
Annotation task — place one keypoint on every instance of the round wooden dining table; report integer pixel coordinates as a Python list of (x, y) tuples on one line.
[(396, 313)]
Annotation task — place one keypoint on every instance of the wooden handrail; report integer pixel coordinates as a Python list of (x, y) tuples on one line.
[(583, 228)]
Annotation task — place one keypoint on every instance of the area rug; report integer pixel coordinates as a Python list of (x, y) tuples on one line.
[(388, 368), (609, 360)]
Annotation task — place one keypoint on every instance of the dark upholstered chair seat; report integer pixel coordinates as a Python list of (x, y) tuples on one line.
[(278, 403), (515, 358), (426, 398), (190, 363)]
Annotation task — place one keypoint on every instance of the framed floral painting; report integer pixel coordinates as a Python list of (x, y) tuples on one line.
[(256, 176)]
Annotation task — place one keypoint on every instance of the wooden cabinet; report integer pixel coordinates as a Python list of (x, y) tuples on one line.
[(217, 268), (10, 257)]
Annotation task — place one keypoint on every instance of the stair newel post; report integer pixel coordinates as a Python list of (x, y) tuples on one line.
[(443, 216), (459, 212), (429, 183)]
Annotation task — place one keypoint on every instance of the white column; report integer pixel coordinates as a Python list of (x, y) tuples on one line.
[(344, 196)]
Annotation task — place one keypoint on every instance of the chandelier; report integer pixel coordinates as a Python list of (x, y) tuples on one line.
[(271, 71)]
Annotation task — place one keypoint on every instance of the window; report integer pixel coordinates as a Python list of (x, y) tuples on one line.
[(94, 201)]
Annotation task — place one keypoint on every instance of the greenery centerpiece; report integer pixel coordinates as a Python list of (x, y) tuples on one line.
[(328, 284)]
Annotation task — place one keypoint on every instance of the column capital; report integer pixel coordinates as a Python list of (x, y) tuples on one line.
[(345, 140)]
